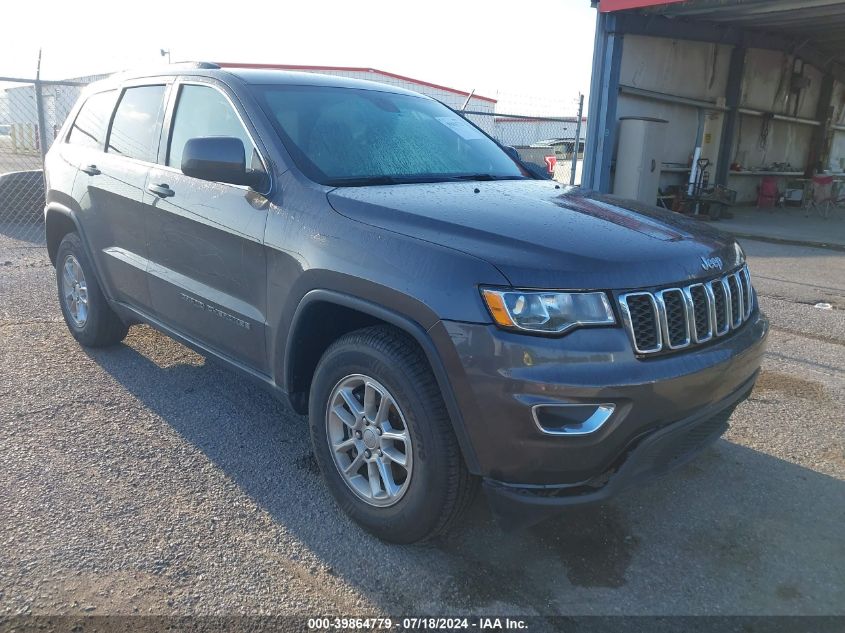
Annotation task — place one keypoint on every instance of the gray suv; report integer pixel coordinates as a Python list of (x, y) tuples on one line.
[(443, 316)]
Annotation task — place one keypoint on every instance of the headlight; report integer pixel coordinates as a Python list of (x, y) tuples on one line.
[(547, 312)]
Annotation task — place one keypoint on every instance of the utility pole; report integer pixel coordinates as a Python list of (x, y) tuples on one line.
[(39, 107), (576, 146), (466, 103)]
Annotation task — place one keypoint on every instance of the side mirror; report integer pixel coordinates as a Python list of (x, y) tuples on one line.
[(539, 172), (219, 159), (511, 151)]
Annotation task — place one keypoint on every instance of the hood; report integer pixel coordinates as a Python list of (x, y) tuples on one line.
[(543, 235)]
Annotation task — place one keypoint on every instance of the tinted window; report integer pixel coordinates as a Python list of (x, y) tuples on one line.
[(202, 111), (133, 131), (350, 136), (89, 128)]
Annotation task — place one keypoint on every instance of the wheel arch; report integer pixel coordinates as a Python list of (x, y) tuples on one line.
[(58, 222), (308, 340)]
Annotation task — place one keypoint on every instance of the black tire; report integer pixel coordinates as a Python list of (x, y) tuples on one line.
[(102, 327), (440, 486)]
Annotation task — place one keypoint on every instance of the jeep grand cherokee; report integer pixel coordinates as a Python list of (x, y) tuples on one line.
[(442, 316)]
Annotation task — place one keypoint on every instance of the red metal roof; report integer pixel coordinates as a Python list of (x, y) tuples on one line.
[(607, 6), (352, 69)]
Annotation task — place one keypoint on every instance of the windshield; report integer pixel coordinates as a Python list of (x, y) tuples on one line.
[(354, 137)]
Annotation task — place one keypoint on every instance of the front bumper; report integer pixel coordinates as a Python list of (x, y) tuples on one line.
[(648, 457), (497, 377)]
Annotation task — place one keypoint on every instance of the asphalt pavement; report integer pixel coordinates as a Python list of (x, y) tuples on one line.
[(146, 479)]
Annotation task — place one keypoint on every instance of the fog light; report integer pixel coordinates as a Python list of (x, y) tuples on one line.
[(571, 419)]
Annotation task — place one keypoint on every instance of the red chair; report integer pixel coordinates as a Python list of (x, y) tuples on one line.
[(767, 192)]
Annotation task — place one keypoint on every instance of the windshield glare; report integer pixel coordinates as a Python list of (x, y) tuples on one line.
[(352, 137)]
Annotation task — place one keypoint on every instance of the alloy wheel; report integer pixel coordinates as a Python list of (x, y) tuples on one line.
[(75, 291), (369, 440)]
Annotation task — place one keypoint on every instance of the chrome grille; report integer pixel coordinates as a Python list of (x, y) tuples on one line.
[(701, 303), (674, 321), (737, 310), (676, 318), (722, 321)]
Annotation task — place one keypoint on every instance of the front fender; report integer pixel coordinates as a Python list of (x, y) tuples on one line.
[(410, 326)]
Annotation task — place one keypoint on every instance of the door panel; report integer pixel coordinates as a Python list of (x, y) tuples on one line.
[(110, 188), (109, 193), (207, 267), (112, 209), (207, 270)]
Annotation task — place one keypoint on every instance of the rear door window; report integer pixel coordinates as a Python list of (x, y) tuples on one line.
[(135, 129), (89, 127)]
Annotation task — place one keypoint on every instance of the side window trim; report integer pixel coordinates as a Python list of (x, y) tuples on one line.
[(66, 138), (170, 121), (167, 83)]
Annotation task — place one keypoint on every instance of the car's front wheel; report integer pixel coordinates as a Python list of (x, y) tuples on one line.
[(383, 439)]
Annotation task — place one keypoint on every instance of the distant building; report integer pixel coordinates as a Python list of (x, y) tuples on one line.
[(450, 96), (558, 133)]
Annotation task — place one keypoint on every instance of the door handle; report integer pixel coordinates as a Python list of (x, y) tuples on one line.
[(92, 170), (162, 190)]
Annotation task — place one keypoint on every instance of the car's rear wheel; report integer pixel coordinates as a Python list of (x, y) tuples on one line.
[(86, 312), (383, 439)]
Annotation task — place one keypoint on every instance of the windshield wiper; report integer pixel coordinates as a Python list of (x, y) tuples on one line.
[(365, 180), (482, 177)]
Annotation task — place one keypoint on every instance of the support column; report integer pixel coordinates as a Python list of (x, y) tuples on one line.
[(604, 92), (733, 95), (819, 152)]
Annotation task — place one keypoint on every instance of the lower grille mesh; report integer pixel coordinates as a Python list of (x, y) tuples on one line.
[(643, 322), (701, 311), (676, 320)]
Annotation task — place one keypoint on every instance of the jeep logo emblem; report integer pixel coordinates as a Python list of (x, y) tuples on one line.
[(712, 263)]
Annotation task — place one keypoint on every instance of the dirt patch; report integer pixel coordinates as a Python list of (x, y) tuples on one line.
[(773, 381), (788, 592), (592, 543)]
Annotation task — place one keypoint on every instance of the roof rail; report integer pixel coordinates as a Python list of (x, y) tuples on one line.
[(198, 65)]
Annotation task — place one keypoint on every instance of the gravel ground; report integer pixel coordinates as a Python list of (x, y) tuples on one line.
[(146, 479)]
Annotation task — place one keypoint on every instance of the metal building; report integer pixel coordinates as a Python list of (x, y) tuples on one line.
[(755, 86)]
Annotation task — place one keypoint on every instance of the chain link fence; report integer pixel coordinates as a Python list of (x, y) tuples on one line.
[(555, 144), (31, 114)]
